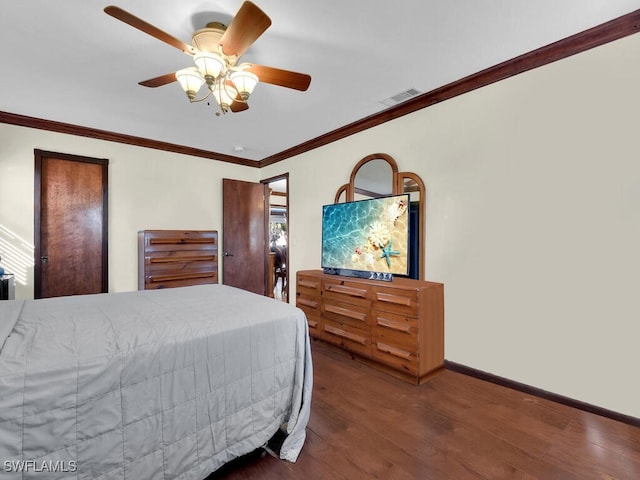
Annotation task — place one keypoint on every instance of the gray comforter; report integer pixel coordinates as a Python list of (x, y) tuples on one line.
[(154, 384)]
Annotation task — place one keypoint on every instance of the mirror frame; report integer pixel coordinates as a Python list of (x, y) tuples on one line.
[(398, 187)]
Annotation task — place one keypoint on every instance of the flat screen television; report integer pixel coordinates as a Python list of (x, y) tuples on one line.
[(367, 238)]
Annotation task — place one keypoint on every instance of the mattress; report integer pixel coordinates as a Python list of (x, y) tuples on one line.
[(152, 384)]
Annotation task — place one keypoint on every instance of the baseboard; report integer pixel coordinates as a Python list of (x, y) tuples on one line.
[(538, 392)]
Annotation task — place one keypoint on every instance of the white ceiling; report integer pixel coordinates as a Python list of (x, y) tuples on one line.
[(67, 61)]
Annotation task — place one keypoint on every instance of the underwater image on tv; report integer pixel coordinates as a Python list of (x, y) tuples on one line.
[(367, 235)]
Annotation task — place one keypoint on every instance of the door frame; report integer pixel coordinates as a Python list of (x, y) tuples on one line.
[(267, 181), (37, 213)]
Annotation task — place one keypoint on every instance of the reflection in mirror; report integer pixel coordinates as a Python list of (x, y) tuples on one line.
[(373, 179), (410, 186)]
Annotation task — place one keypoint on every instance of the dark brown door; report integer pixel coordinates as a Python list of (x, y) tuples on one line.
[(244, 233), (70, 225)]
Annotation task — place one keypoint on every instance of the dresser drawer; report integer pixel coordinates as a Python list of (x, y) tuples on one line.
[(176, 240), (400, 328), (184, 258), (159, 280), (315, 326), (345, 291), (354, 315), (310, 305), (395, 300), (308, 285), (396, 355), (346, 336)]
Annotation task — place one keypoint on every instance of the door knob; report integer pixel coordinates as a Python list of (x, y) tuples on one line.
[(44, 259), (227, 254)]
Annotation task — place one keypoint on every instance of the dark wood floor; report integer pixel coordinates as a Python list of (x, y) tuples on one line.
[(365, 424)]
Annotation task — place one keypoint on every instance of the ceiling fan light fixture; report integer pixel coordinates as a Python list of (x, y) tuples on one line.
[(225, 94), (210, 65), (190, 80), (244, 82), (216, 50)]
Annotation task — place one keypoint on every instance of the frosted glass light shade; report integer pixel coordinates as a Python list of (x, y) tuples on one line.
[(190, 80), (245, 82), (209, 64), (225, 95)]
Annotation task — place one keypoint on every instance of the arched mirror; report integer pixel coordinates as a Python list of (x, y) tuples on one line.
[(374, 178), (377, 175)]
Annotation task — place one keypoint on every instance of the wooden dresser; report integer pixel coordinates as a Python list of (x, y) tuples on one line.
[(396, 327), (177, 258)]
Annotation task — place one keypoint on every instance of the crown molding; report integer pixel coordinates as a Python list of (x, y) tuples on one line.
[(594, 37), (59, 127)]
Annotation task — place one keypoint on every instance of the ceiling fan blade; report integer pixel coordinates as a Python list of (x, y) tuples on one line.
[(249, 23), (135, 22), (282, 78), (159, 81), (239, 106)]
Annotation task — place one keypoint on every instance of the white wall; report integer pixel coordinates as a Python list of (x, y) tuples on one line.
[(533, 220), (148, 189)]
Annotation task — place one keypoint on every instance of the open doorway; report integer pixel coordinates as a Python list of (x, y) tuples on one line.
[(278, 237)]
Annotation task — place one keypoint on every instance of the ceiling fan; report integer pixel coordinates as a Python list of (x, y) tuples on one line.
[(215, 50)]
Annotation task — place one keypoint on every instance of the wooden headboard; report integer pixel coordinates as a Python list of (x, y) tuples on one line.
[(177, 258)]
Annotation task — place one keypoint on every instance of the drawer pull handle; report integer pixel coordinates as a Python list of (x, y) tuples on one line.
[(398, 352), (307, 303), (354, 292), (344, 334), (345, 312), (179, 240), (396, 299), (397, 326), (185, 259), (308, 284), (180, 276)]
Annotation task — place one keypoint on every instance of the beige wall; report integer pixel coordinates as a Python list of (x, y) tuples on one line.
[(532, 216), (148, 189), (533, 220)]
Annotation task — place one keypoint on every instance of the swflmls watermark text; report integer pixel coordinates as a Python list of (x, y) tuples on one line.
[(40, 466)]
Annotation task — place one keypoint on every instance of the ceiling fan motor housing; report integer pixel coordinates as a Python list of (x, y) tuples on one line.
[(208, 39)]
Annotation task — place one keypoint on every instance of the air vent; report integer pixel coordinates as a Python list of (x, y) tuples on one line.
[(401, 97)]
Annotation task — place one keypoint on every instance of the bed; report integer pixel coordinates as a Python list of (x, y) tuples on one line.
[(151, 384)]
